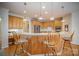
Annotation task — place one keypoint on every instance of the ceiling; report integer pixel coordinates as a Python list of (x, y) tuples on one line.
[(33, 8)]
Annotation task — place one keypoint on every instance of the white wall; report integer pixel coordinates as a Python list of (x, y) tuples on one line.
[(0, 28), (67, 20), (75, 27), (73, 21), (4, 27)]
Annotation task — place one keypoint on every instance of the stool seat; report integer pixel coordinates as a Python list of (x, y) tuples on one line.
[(22, 41), (51, 47), (67, 38)]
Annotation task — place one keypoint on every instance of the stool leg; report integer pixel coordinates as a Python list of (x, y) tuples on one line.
[(71, 48), (54, 52), (69, 45)]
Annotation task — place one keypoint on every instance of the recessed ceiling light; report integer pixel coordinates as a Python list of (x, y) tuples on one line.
[(52, 18), (24, 11), (43, 7), (63, 21), (24, 19), (40, 18), (46, 12)]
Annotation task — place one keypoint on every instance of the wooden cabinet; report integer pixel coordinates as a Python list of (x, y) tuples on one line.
[(46, 24), (15, 22), (10, 22), (36, 23), (43, 24), (20, 23), (58, 23), (36, 45), (58, 26)]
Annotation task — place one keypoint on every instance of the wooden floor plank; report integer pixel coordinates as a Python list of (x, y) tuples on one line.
[(30, 49)]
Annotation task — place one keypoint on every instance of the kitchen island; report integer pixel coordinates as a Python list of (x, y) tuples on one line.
[(36, 43)]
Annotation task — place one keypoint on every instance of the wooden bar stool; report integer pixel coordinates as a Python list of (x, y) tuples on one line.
[(21, 42), (50, 46), (68, 39)]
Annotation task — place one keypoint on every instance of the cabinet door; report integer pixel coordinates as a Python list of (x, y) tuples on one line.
[(46, 24), (14, 22), (20, 23), (10, 22), (58, 23), (52, 24)]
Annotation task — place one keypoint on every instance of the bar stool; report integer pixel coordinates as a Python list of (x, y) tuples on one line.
[(21, 42), (50, 46), (68, 39)]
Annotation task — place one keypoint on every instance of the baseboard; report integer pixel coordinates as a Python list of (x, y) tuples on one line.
[(4, 47)]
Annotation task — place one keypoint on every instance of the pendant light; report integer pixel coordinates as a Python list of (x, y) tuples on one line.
[(52, 17), (40, 18), (62, 7), (25, 11)]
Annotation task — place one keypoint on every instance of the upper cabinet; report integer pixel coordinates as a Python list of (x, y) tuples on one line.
[(10, 22), (58, 23), (34, 22), (48, 23), (15, 22)]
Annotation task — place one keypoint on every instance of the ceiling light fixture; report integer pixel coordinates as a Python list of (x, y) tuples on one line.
[(63, 21), (25, 11), (52, 18), (43, 7), (24, 19), (62, 7), (40, 18)]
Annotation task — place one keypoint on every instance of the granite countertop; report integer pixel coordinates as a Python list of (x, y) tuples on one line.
[(37, 33)]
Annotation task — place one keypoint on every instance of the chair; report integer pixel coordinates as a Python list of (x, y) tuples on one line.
[(11, 38), (16, 37), (20, 42), (50, 45), (68, 39)]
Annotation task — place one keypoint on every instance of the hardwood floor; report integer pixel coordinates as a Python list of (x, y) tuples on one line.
[(15, 50), (67, 50), (35, 46)]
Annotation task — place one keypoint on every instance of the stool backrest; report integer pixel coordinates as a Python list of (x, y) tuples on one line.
[(72, 35)]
